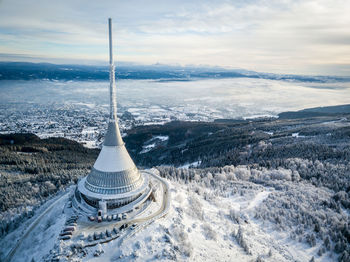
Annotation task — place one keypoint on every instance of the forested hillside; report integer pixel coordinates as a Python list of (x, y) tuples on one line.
[(266, 142), (296, 157), (32, 169)]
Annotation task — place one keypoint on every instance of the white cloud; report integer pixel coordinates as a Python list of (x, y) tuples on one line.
[(277, 36)]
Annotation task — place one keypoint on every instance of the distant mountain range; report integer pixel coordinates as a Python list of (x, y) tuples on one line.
[(34, 71)]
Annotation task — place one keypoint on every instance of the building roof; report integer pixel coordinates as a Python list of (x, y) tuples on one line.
[(113, 159), (114, 172), (113, 137)]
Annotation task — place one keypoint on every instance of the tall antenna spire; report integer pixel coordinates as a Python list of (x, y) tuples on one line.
[(113, 137), (112, 87), (114, 184)]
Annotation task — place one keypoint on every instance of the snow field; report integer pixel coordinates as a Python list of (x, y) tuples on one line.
[(198, 229)]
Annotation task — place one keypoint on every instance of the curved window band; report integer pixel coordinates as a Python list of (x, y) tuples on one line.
[(109, 191), (113, 179)]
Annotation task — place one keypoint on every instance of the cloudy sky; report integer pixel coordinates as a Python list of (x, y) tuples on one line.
[(280, 36)]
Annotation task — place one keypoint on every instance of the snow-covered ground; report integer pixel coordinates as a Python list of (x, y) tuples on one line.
[(153, 142), (199, 229), (193, 164), (204, 223), (34, 238)]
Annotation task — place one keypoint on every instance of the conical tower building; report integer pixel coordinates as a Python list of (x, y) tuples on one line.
[(114, 185)]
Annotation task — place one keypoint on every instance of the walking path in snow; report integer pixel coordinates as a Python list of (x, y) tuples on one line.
[(258, 199), (253, 203), (33, 226)]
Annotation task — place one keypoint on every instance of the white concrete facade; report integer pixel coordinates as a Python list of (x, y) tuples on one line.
[(114, 181)]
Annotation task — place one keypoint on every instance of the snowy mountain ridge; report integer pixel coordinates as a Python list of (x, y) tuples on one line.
[(236, 214)]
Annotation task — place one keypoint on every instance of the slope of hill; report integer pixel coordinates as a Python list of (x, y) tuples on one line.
[(266, 190), (265, 142), (33, 169), (217, 214)]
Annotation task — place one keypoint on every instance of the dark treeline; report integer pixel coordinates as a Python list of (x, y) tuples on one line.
[(265, 143), (32, 169)]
